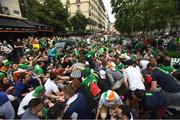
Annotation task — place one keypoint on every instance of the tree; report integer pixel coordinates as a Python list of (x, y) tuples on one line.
[(57, 15), (92, 22), (145, 15), (52, 13), (30, 9), (78, 22)]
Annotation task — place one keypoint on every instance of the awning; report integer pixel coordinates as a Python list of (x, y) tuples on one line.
[(40, 27), (15, 25)]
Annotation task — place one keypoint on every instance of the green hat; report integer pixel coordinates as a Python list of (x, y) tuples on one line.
[(90, 54), (38, 91), (101, 51), (38, 70), (23, 66), (2, 74), (6, 62)]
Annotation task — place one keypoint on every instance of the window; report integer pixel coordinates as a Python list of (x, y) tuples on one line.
[(5, 10), (78, 1), (16, 12)]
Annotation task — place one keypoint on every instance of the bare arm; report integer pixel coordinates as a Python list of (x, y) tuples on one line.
[(125, 81), (153, 86), (37, 57), (52, 96), (97, 113)]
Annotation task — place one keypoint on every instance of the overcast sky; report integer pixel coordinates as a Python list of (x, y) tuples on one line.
[(109, 9)]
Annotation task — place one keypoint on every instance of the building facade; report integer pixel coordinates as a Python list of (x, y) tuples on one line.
[(10, 7), (92, 9)]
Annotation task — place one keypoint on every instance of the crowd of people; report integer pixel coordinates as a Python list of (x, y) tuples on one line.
[(90, 78)]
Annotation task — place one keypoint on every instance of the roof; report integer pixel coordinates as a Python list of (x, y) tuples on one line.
[(10, 24), (16, 23), (39, 26)]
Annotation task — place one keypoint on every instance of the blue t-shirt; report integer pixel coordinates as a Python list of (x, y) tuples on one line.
[(33, 82), (52, 52), (166, 81), (20, 88), (3, 98), (78, 106)]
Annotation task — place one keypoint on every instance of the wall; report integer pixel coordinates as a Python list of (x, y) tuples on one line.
[(12, 5)]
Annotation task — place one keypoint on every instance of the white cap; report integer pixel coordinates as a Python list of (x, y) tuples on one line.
[(102, 74)]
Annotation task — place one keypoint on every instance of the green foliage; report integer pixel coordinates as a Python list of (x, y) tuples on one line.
[(52, 13), (145, 15), (78, 22), (92, 22)]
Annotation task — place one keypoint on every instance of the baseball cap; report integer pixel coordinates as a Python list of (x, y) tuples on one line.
[(38, 91), (102, 74), (76, 73)]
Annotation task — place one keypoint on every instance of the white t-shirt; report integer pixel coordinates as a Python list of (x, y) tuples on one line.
[(50, 87), (25, 102), (134, 78), (103, 101), (6, 48)]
